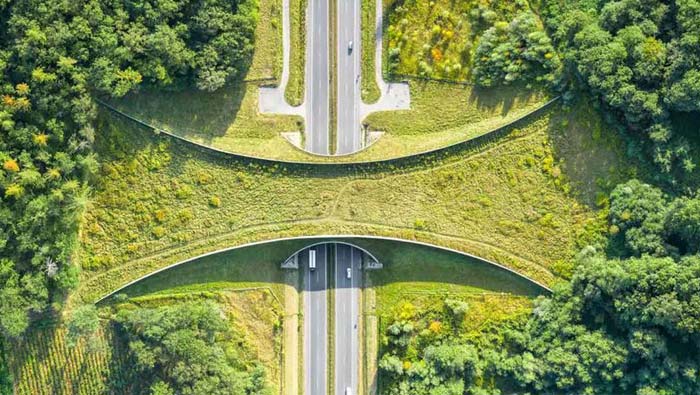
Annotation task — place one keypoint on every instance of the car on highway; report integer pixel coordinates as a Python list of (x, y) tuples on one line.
[(349, 273), (312, 260), (348, 391), (350, 47)]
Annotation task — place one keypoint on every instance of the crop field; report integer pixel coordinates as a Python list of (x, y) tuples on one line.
[(520, 201), (44, 364)]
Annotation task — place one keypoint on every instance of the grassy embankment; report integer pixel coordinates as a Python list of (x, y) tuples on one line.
[(523, 201)]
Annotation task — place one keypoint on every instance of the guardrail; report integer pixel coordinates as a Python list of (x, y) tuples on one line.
[(415, 158), (389, 76)]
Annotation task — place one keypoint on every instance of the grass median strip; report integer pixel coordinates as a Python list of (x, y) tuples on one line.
[(297, 52), (370, 90)]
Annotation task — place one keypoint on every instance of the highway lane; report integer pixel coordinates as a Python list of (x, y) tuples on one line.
[(349, 133), (315, 322), (317, 78), (347, 318)]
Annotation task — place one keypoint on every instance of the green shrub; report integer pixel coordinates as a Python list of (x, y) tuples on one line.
[(159, 232), (215, 201)]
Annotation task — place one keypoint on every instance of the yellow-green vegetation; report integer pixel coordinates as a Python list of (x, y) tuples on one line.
[(266, 63), (428, 310), (437, 38), (442, 114), (512, 200), (43, 363), (370, 90), (294, 92)]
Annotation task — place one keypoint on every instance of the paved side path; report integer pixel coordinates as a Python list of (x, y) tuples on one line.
[(394, 96), (271, 99)]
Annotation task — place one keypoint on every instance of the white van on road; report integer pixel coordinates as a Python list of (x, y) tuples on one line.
[(312, 259)]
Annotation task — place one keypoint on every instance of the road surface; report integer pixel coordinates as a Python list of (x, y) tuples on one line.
[(317, 79), (347, 318), (349, 97), (315, 322)]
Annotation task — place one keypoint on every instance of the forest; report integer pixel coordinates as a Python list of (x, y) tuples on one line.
[(641, 59), (625, 320), (56, 57)]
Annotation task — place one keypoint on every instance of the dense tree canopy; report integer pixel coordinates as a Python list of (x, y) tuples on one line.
[(515, 51), (642, 59), (650, 222), (619, 327), (54, 56), (188, 348)]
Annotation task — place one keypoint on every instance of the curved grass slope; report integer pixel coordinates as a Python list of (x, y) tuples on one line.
[(159, 202), (441, 114), (259, 266)]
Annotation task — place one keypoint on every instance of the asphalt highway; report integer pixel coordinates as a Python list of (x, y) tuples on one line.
[(349, 132), (315, 322), (347, 318), (317, 79)]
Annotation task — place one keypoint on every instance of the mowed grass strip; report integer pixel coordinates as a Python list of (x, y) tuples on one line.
[(522, 201), (370, 90), (294, 92), (244, 268)]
